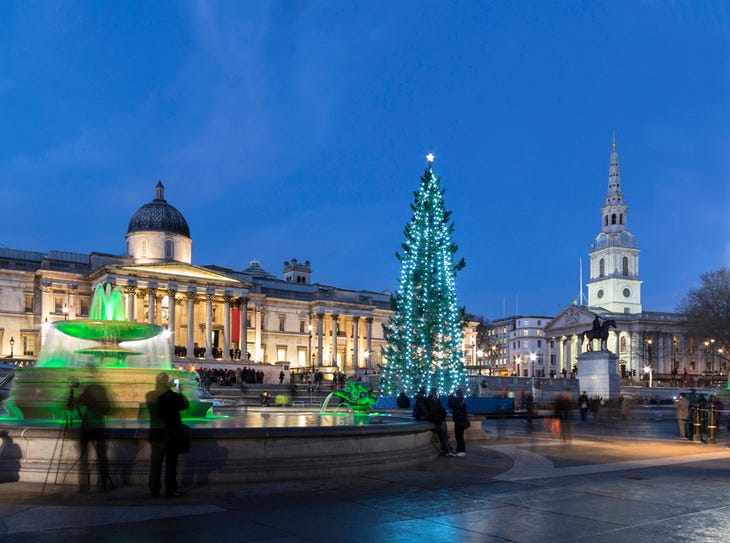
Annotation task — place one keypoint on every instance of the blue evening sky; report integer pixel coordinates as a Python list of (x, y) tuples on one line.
[(299, 130)]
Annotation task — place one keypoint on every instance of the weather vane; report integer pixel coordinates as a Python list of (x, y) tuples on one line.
[(430, 157)]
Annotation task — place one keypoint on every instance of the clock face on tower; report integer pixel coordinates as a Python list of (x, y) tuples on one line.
[(599, 293), (627, 293), (625, 239)]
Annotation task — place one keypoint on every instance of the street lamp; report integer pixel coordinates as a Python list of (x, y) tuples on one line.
[(12, 343)]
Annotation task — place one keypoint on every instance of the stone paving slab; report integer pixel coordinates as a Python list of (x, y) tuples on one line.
[(520, 489)]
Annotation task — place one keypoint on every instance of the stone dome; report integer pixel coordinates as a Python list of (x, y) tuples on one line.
[(159, 216)]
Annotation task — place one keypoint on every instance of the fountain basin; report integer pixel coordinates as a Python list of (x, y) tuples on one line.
[(223, 451), (43, 393)]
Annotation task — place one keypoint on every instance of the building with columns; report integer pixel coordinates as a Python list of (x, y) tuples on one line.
[(213, 315), (647, 343)]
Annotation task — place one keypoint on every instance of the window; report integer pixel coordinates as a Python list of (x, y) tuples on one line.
[(28, 303), (539, 343), (58, 304), (605, 220), (539, 322), (281, 352), (282, 322), (28, 344), (601, 268), (84, 306), (613, 219), (552, 359), (169, 249), (622, 344), (621, 218), (625, 266), (302, 327)]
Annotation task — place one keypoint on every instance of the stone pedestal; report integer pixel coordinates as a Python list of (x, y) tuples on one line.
[(598, 375)]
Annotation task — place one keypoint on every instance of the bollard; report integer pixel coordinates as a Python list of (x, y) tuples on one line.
[(696, 424), (711, 425)]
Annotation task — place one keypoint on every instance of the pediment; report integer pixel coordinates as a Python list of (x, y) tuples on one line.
[(570, 320), (176, 270)]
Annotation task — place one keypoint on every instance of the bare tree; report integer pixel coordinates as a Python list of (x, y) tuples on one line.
[(707, 310)]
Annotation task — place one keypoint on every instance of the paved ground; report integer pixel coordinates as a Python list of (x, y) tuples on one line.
[(615, 482)]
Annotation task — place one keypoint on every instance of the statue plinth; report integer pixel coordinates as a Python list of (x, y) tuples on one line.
[(598, 376)]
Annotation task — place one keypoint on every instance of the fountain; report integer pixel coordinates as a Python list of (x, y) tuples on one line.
[(39, 442), (106, 349)]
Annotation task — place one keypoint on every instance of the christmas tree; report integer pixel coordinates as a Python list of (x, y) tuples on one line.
[(424, 336)]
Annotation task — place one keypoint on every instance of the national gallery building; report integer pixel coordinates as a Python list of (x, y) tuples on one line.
[(212, 314)]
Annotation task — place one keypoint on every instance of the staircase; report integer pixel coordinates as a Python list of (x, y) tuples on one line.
[(250, 394)]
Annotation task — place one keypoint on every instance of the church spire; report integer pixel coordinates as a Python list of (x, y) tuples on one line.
[(614, 195)]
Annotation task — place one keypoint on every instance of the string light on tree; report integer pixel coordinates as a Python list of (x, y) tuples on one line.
[(424, 336)]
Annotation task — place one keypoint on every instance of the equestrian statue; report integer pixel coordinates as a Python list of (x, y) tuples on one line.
[(599, 331)]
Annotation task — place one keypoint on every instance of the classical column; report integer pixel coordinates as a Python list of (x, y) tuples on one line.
[(369, 321), (152, 299), (244, 327), (335, 316), (208, 326), (171, 316), (258, 316), (191, 325), (356, 343), (320, 334), (226, 327), (131, 293), (561, 355)]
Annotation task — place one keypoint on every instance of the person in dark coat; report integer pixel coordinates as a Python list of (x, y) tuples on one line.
[(420, 409), (403, 401), (457, 404), (437, 415), (168, 407), (93, 406), (682, 406)]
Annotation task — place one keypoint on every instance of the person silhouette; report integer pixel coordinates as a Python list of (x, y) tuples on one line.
[(169, 404), (93, 406)]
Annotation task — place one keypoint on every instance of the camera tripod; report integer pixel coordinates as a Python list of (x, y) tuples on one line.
[(57, 454)]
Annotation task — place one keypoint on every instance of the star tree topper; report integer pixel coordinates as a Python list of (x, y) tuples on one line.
[(430, 157)]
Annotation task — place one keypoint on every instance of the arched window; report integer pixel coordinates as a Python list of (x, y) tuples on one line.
[(169, 249), (625, 267), (621, 218), (622, 347), (601, 268), (605, 220), (613, 219)]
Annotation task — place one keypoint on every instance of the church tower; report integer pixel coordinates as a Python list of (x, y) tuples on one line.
[(614, 284)]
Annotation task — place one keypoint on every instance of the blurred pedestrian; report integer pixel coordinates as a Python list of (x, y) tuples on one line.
[(682, 406), (583, 405)]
